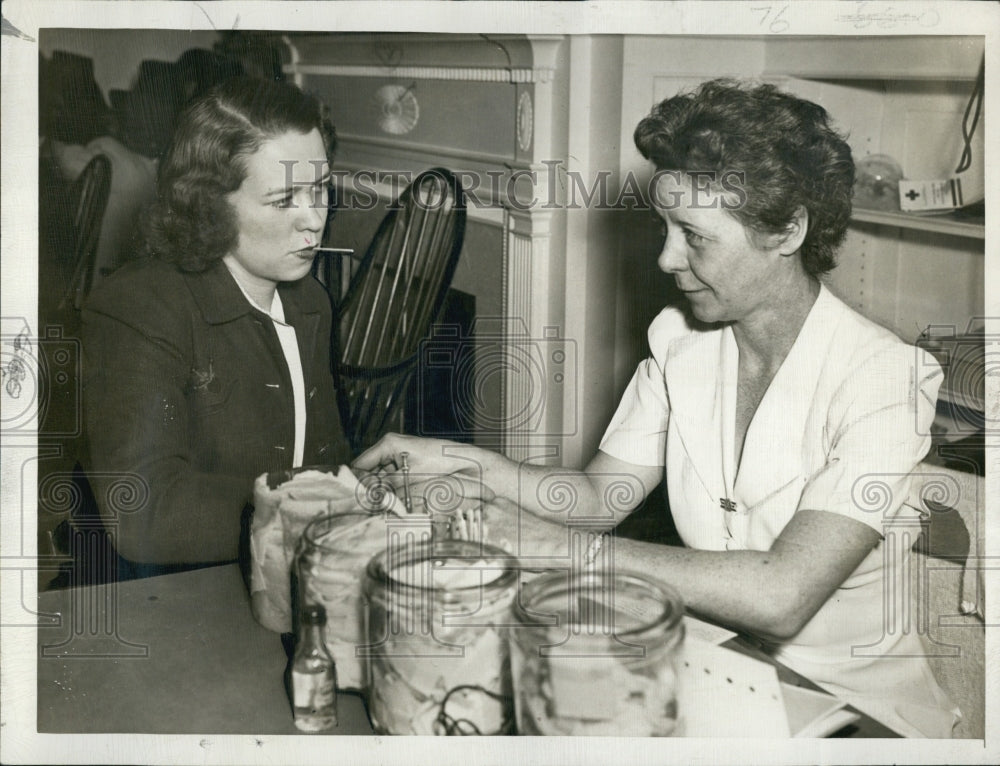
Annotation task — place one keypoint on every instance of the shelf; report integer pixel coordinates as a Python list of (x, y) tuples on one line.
[(947, 223), (893, 58)]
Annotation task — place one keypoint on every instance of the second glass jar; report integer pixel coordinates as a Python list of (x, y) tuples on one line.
[(594, 653)]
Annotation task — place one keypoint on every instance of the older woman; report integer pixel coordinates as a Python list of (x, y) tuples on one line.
[(208, 363), (767, 400)]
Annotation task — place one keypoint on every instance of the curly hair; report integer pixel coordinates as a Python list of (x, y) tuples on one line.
[(783, 148), (192, 224)]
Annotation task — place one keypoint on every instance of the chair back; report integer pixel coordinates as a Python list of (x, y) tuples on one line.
[(947, 586), (90, 193), (392, 301)]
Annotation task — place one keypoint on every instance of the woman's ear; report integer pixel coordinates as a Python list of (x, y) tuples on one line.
[(791, 240)]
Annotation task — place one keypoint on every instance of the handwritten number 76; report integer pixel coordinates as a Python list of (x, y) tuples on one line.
[(775, 22)]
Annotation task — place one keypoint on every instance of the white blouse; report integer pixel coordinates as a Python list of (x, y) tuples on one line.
[(841, 426)]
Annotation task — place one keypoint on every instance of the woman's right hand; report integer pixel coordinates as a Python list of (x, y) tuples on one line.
[(437, 469)]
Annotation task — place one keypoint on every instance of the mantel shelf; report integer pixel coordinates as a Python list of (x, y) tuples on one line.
[(947, 223)]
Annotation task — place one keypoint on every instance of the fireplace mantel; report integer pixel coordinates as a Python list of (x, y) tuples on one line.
[(490, 107)]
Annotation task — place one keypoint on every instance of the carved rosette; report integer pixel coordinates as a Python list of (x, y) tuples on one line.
[(399, 110)]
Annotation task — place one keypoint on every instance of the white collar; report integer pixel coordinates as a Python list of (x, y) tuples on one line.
[(701, 379)]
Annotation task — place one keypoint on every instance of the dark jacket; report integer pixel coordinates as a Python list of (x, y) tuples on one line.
[(187, 399)]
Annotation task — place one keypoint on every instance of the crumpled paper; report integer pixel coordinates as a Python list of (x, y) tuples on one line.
[(281, 514)]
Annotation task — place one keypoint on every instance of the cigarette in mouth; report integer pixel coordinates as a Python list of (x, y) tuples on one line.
[(344, 250)]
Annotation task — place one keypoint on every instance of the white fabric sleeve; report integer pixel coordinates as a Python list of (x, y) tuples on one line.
[(637, 433), (878, 430)]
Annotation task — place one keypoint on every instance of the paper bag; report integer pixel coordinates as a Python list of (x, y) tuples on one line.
[(284, 504)]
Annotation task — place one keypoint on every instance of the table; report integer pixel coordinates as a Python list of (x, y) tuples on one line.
[(182, 654), (177, 654)]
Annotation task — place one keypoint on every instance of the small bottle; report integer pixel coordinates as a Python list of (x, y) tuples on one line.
[(314, 676)]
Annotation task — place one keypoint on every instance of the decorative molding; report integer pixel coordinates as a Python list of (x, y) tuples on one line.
[(468, 74), (526, 291), (525, 121), (293, 54), (516, 389), (504, 53)]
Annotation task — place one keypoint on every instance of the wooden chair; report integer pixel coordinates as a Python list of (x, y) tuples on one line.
[(947, 595), (392, 301), (83, 553), (90, 192)]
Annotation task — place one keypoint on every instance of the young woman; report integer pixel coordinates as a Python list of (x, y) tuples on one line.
[(208, 363)]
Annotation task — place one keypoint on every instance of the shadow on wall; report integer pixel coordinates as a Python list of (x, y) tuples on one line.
[(72, 108)]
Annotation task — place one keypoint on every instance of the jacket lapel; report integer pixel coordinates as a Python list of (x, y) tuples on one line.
[(218, 296), (306, 324)]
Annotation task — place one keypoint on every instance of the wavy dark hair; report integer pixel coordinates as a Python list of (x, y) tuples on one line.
[(192, 225), (784, 148)]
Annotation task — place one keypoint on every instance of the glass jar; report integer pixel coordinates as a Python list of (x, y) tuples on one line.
[(438, 663), (593, 653), (330, 568)]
